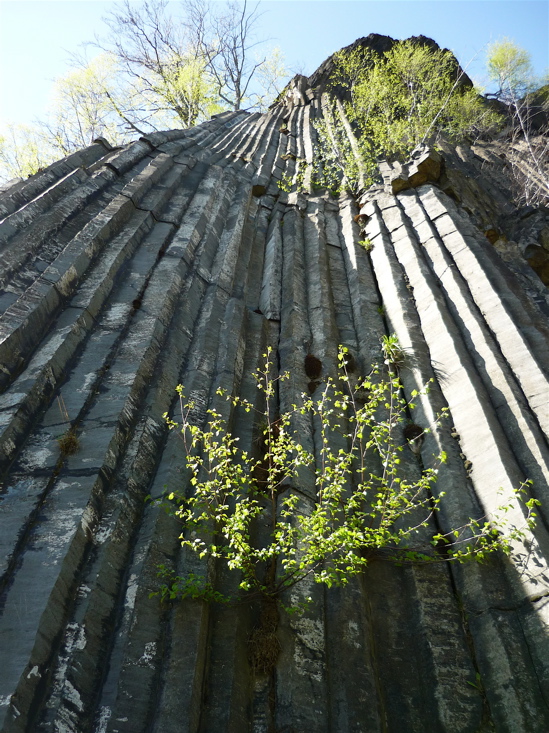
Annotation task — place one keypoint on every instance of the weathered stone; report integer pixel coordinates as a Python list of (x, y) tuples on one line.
[(544, 238), (428, 164)]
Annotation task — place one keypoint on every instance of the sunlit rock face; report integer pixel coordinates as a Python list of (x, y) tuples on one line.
[(179, 259)]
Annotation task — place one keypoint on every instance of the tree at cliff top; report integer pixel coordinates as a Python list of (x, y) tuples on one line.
[(163, 65), (86, 103), (157, 72), (22, 152), (410, 95), (215, 42), (527, 98)]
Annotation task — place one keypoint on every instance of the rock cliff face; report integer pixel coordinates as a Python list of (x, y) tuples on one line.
[(178, 259)]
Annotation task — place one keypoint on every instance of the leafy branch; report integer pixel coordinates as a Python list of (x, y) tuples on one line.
[(367, 502)]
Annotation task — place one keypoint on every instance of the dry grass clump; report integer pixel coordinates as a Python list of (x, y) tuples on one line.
[(263, 644), (264, 648), (69, 443)]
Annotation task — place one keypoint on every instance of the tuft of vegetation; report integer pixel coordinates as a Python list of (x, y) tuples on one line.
[(395, 355), (264, 648), (68, 443), (348, 361), (414, 434), (366, 244), (263, 644), (289, 183)]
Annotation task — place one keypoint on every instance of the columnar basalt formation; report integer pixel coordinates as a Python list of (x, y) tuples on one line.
[(179, 259)]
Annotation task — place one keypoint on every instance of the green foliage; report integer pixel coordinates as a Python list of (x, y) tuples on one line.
[(510, 67), (289, 183), (341, 162), (191, 586), (180, 92), (23, 151), (409, 96), (367, 504), (477, 684), (286, 183), (395, 356)]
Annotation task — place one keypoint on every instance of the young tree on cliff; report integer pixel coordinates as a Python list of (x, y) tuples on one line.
[(363, 500), (527, 99)]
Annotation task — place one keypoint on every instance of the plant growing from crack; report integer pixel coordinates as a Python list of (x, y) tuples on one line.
[(287, 181), (395, 355), (68, 442), (366, 504)]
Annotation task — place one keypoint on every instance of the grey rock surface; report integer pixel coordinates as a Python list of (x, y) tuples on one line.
[(178, 259)]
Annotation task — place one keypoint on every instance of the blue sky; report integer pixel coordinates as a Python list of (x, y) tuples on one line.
[(37, 36)]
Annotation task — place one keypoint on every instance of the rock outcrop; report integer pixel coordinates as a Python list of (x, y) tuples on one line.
[(179, 259)]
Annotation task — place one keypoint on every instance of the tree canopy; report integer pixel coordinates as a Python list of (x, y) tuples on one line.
[(510, 67), (157, 70), (395, 101), (527, 100)]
